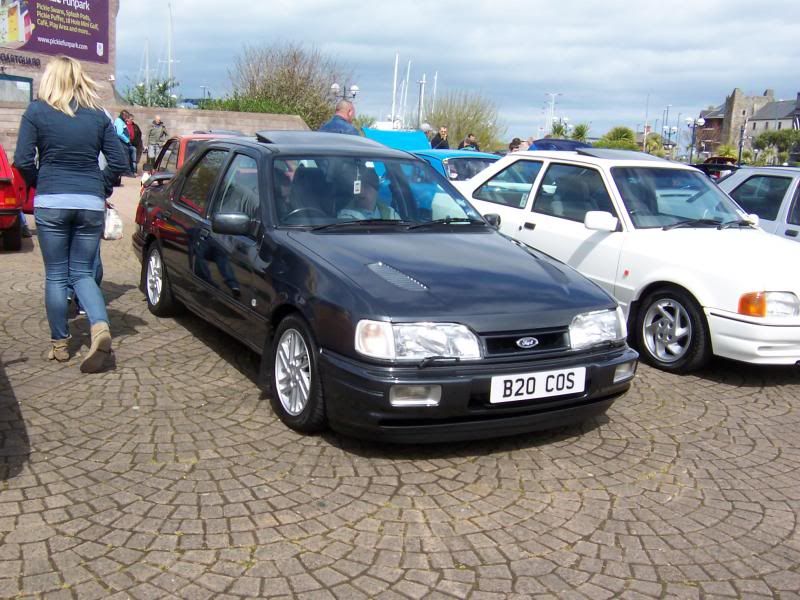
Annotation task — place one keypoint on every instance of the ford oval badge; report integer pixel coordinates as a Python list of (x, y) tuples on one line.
[(527, 343)]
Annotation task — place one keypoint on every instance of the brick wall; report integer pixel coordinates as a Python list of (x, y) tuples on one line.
[(177, 120)]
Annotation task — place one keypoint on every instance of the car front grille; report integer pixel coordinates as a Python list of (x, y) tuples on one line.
[(548, 341)]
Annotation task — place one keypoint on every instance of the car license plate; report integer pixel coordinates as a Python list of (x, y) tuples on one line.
[(531, 386)]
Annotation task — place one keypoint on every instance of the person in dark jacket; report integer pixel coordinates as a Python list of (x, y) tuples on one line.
[(439, 141), (342, 120), (68, 130), (136, 141), (469, 143)]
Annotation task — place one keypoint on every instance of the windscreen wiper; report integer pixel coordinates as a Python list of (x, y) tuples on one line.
[(360, 222), (737, 223), (448, 221), (692, 223)]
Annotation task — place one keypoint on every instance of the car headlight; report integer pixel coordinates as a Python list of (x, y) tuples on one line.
[(415, 341), (597, 327), (769, 304)]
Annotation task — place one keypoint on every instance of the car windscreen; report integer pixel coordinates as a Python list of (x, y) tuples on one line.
[(459, 169), (659, 197), (314, 191)]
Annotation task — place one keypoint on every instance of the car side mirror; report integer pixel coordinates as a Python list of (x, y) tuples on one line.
[(231, 223), (752, 218), (600, 220), (493, 219), (158, 179)]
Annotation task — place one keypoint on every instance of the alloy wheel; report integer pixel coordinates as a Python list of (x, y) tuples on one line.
[(155, 277), (293, 372), (667, 330)]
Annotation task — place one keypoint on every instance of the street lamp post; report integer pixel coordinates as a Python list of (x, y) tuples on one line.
[(693, 124), (344, 93)]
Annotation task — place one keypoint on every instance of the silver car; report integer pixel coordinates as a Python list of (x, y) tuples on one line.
[(772, 193)]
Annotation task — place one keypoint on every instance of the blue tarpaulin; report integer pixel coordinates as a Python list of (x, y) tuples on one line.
[(401, 140)]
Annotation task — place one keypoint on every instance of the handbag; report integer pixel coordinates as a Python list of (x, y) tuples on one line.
[(112, 229)]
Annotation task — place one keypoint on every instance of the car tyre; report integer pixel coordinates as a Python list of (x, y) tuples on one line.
[(671, 332), (12, 237), (157, 289), (296, 391)]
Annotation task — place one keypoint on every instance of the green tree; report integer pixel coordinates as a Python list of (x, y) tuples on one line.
[(727, 150), (159, 93), (285, 79), (362, 121), (466, 112), (581, 132), (619, 138), (558, 130)]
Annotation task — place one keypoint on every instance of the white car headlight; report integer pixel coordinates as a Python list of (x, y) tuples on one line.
[(415, 341), (597, 327), (769, 304)]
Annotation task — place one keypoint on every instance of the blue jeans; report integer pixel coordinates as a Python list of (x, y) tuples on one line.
[(132, 155), (69, 239), (97, 269)]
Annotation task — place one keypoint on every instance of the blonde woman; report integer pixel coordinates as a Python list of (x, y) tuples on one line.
[(69, 129)]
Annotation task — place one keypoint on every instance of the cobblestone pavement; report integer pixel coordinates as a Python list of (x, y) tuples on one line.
[(169, 476)]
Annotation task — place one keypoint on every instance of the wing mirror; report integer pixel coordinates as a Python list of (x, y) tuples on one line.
[(493, 219), (231, 223), (158, 179), (600, 220), (752, 218)]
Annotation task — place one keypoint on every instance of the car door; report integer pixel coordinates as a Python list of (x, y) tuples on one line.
[(168, 152), (554, 224), (185, 226), (229, 259), (507, 193), (764, 195)]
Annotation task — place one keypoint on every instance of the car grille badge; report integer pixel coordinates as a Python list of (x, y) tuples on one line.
[(526, 343)]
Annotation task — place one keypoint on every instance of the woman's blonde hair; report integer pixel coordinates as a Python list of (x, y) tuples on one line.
[(65, 86)]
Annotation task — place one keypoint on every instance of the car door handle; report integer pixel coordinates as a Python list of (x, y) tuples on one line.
[(790, 232), (203, 234), (529, 225)]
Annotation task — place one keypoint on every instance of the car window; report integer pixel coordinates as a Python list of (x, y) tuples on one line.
[(762, 195), (337, 189), (660, 197), (239, 189), (171, 165), (200, 181), (570, 191), (511, 186), (191, 148), (459, 169), (163, 160), (794, 212)]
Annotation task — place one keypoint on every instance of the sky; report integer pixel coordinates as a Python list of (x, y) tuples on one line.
[(616, 62)]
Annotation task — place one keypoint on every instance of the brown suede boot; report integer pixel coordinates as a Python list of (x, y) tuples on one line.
[(99, 350), (59, 350)]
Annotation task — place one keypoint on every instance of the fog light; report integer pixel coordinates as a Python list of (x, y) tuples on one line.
[(415, 395), (625, 371)]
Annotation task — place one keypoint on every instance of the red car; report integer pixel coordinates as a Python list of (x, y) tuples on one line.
[(177, 150), (13, 193)]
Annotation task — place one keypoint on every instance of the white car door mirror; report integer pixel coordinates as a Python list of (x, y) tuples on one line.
[(600, 220), (752, 218)]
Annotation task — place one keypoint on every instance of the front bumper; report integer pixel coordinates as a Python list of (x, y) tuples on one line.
[(738, 338), (357, 398)]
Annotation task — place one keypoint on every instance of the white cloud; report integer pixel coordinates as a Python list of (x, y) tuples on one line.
[(605, 58)]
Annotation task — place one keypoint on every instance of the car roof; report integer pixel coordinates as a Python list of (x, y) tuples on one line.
[(310, 142), (604, 157), (443, 154), (793, 171)]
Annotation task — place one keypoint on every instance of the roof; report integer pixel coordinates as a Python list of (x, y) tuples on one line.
[(445, 154), (717, 112), (605, 157), (558, 144), (782, 109), (309, 142)]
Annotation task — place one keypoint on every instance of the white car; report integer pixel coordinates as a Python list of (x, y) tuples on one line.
[(690, 269), (772, 193)]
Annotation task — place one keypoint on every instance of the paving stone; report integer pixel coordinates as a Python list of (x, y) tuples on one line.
[(170, 476)]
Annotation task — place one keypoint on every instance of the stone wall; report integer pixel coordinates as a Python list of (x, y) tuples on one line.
[(739, 108), (177, 120)]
